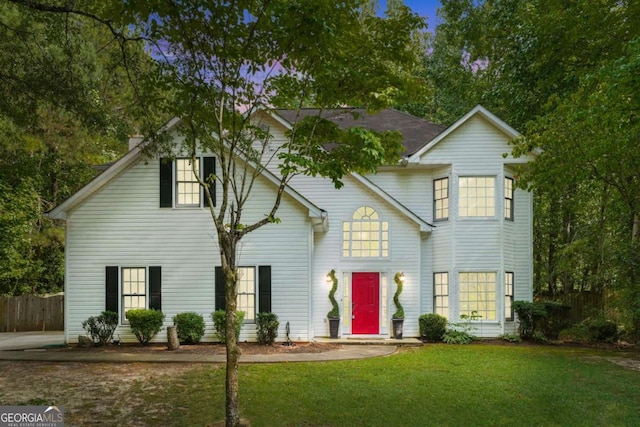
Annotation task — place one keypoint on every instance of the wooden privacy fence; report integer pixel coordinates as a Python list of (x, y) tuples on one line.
[(31, 313), (587, 305)]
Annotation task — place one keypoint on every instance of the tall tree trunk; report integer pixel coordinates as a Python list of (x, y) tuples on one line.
[(228, 242)]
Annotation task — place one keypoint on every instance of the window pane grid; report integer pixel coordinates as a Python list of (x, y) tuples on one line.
[(478, 293), (441, 294), (441, 198), (247, 292), (187, 187), (366, 235), (134, 288), (508, 296), (476, 196), (508, 199)]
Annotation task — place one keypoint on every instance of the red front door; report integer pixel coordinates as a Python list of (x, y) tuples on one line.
[(365, 310)]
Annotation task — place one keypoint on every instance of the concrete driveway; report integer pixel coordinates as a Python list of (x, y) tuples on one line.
[(28, 340)]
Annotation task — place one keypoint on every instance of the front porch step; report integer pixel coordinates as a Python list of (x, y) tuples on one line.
[(405, 342)]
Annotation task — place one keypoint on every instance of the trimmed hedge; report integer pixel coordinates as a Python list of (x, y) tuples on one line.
[(101, 328), (267, 328), (219, 324), (542, 320), (432, 327), (189, 326), (145, 323)]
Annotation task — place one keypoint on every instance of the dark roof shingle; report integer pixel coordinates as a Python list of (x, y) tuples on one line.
[(416, 132)]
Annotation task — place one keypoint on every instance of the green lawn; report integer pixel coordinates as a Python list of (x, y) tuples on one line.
[(436, 385)]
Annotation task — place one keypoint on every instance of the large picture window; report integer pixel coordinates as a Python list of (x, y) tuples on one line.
[(134, 289), (441, 294), (476, 196), (441, 199), (365, 235), (508, 199), (478, 293)]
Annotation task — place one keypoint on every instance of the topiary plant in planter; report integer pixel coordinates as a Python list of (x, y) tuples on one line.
[(398, 317), (334, 314)]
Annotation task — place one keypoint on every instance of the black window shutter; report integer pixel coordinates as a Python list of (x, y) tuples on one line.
[(209, 168), (264, 289), (155, 288), (111, 287), (166, 183), (221, 297)]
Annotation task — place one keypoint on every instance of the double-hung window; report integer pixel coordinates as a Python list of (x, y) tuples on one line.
[(508, 295), (179, 187), (247, 292), (476, 196), (134, 289), (441, 199), (187, 187), (441, 294), (128, 288), (478, 294), (508, 199)]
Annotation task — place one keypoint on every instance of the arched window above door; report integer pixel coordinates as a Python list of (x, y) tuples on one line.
[(365, 236)]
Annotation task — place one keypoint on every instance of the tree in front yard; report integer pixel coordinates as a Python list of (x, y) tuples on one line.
[(224, 61)]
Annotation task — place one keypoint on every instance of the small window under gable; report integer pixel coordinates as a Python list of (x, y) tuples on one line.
[(187, 187), (365, 236), (179, 186)]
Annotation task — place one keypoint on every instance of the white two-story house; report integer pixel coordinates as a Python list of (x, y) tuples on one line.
[(448, 217)]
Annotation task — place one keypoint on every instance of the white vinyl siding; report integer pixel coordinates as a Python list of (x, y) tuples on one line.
[(121, 225)]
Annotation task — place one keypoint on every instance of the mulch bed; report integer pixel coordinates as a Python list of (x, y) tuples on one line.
[(207, 348)]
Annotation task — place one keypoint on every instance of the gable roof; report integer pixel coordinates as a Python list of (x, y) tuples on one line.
[(345, 119), (478, 110), (415, 132), (319, 216)]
